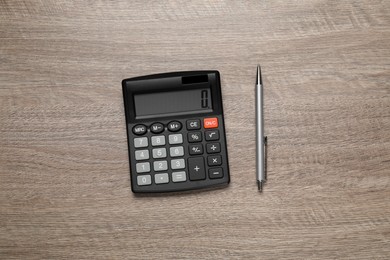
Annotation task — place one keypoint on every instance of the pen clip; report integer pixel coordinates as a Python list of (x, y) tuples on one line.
[(265, 157)]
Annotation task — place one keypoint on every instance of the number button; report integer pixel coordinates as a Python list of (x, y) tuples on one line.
[(159, 153), (139, 129), (141, 155), (195, 149), (193, 124), (176, 151), (214, 160), (194, 137), (212, 135), (160, 166), (140, 142), (144, 180), (178, 164), (158, 140), (213, 148), (157, 128), (176, 139), (174, 126), (142, 167)]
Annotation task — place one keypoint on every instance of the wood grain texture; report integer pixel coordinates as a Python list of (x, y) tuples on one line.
[(64, 173)]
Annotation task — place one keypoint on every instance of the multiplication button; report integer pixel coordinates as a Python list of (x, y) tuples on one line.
[(214, 160)]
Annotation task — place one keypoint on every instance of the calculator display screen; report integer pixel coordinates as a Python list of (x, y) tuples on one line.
[(173, 102)]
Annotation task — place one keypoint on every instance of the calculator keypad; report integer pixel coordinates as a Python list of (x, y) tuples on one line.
[(168, 153)]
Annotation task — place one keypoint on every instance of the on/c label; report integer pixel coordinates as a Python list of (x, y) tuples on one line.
[(211, 122)]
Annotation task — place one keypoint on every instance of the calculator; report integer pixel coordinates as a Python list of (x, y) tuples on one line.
[(175, 131)]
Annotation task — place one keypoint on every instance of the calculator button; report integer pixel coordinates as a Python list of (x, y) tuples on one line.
[(196, 168), (176, 139), (141, 155), (140, 142), (139, 129), (214, 160), (212, 135), (178, 164), (195, 149), (144, 180), (210, 122), (159, 153), (161, 178), (176, 151), (159, 166), (213, 147), (157, 128), (142, 167), (215, 173), (193, 124), (179, 176), (174, 126), (194, 137), (158, 140)]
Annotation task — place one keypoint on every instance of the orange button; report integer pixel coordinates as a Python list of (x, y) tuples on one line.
[(210, 122)]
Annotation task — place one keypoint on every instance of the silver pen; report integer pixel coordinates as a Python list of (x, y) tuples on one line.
[(260, 138)]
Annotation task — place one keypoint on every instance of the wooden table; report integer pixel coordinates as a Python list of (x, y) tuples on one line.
[(64, 171)]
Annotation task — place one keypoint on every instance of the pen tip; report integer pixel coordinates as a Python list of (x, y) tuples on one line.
[(258, 76), (260, 185)]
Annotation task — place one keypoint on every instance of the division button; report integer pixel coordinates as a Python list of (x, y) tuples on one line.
[(213, 148), (196, 168), (157, 128), (179, 176), (215, 173), (214, 160), (174, 126), (139, 129), (193, 124), (144, 180), (161, 178), (212, 135), (195, 149), (194, 137)]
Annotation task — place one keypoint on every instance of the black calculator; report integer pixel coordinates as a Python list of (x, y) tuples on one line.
[(175, 130)]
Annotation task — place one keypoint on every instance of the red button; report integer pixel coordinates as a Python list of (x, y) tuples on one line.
[(210, 122)]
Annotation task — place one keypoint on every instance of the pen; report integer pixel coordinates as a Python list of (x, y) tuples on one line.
[(260, 139)]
